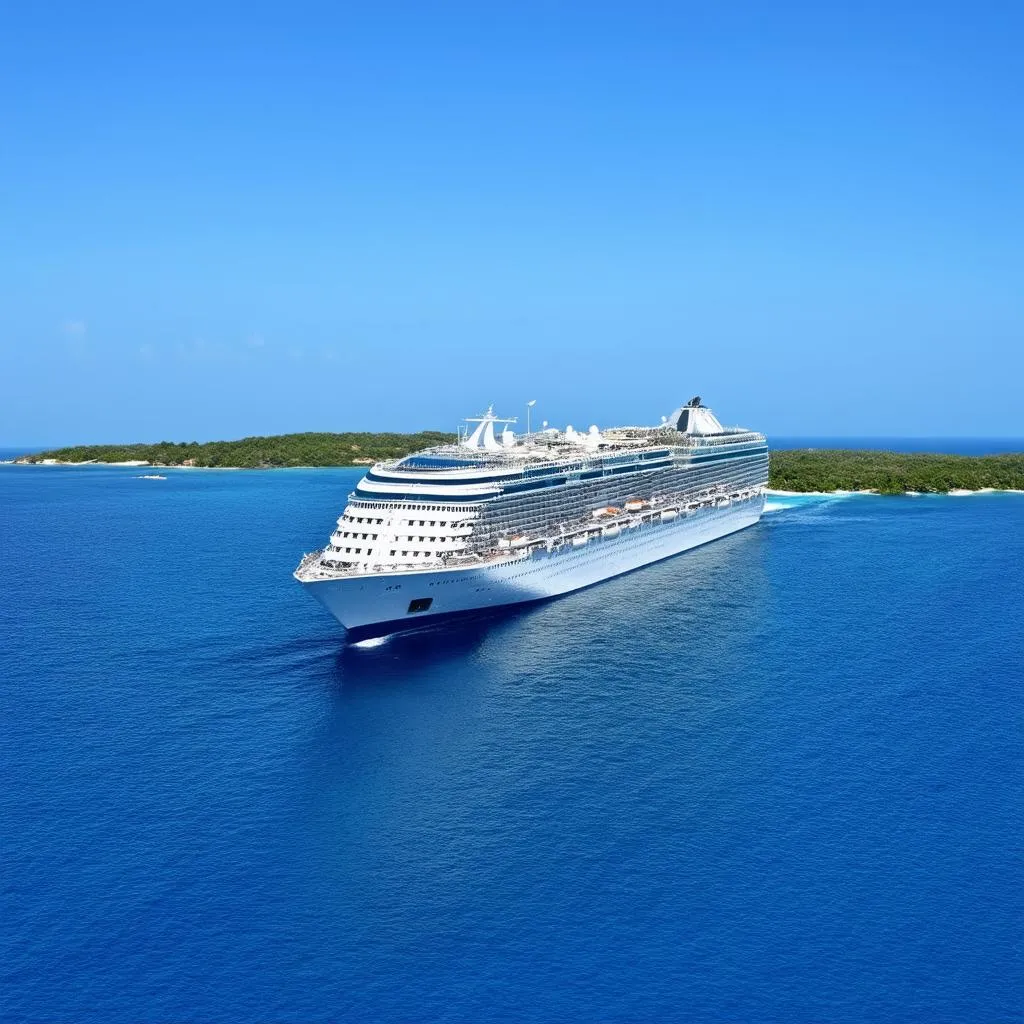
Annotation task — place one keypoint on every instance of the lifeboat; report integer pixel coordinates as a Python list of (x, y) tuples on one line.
[(578, 542), (636, 504), (611, 531), (603, 513), (668, 515), (519, 542)]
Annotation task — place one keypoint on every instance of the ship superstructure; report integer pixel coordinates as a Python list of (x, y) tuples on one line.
[(500, 518)]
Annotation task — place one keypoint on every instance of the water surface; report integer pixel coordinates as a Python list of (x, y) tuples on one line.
[(774, 779)]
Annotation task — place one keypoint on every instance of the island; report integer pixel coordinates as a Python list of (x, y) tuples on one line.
[(275, 452), (806, 470), (798, 470)]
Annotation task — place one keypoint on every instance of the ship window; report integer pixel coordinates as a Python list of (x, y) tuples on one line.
[(419, 604)]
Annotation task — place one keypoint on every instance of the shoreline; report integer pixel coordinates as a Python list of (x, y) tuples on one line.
[(955, 492), (132, 464), (770, 492)]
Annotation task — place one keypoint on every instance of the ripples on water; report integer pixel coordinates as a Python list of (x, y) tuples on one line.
[(777, 778)]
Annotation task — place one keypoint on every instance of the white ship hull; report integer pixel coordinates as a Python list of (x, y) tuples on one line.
[(376, 604)]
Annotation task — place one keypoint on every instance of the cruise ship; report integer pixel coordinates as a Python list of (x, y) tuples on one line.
[(500, 518)]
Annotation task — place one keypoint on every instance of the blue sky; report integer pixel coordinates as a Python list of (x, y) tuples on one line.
[(224, 220)]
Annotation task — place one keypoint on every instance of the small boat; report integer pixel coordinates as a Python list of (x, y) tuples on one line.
[(151, 476)]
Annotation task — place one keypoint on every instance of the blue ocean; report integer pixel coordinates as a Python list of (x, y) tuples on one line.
[(775, 779)]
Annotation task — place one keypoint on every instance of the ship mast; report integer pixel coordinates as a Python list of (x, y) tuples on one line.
[(483, 436)]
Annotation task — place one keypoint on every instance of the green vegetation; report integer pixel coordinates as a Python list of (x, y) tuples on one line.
[(257, 452), (800, 470), (812, 469)]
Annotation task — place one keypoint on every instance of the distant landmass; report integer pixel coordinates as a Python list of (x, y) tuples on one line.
[(799, 470), (819, 469), (280, 451)]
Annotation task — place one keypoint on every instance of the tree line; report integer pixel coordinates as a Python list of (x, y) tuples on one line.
[(257, 452), (792, 470), (892, 472)]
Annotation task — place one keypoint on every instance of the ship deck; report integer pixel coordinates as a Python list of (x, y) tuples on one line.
[(311, 568)]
